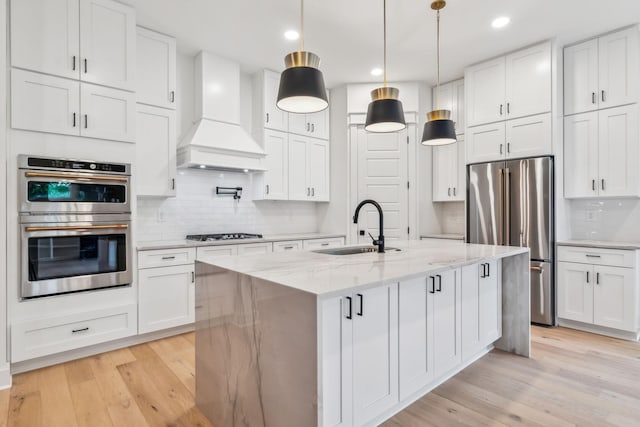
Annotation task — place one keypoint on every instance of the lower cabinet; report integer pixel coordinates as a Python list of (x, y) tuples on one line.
[(314, 244), (255, 248), (447, 348)]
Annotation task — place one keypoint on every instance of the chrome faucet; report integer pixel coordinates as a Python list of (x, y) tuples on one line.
[(380, 242)]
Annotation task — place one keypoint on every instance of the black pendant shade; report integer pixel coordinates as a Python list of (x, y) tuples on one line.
[(302, 84), (439, 132), (385, 115)]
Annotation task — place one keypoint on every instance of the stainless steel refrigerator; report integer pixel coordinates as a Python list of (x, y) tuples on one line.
[(511, 203)]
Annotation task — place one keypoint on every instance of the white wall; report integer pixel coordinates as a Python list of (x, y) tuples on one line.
[(450, 217)]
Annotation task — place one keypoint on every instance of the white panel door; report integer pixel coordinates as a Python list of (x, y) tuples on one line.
[(107, 113), (166, 297), (447, 344), (486, 143), (276, 178), (485, 92), (529, 136), (528, 78), (382, 176), (108, 43), (375, 352), (458, 106), (274, 118), (581, 155), (155, 151), (614, 298), (619, 69), (581, 77), (318, 170), (299, 188), (45, 36), (575, 291), (156, 69), (618, 151), (490, 304), (444, 172), (44, 103), (415, 335), (337, 362)]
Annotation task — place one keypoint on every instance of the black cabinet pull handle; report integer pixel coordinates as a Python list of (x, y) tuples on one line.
[(433, 285), (74, 119), (359, 313), (500, 148), (439, 283), (86, 121), (193, 277), (500, 109), (483, 274), (508, 108), (74, 63), (603, 96), (166, 258), (593, 184), (597, 278), (593, 97), (587, 277), (173, 96), (173, 183), (603, 184), (349, 316), (85, 65), (75, 331), (488, 270), (267, 117)]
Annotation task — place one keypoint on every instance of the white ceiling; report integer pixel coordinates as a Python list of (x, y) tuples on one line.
[(347, 34)]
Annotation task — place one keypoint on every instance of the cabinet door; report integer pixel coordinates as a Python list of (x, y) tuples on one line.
[(318, 169), (375, 352), (443, 99), (209, 253), (614, 298), (575, 291), (528, 80), (581, 77), (276, 178), (486, 143), (485, 92), (458, 106), (166, 297), (255, 248), (618, 71), (471, 340), (581, 155), (529, 136), (337, 362), (44, 103), (319, 124), (298, 155), (155, 151), (299, 124), (156, 69), (460, 172), (444, 170), (447, 344), (415, 335), (618, 151), (107, 113), (45, 36), (490, 304), (108, 43), (274, 118)]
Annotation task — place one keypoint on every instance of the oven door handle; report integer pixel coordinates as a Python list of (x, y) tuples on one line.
[(75, 176), (78, 227)]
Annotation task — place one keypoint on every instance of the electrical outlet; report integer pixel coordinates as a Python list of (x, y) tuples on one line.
[(160, 216), (591, 215)]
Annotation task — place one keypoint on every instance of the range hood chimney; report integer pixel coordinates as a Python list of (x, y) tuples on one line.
[(216, 140)]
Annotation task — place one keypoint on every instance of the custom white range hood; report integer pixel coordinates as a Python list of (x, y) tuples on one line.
[(217, 141)]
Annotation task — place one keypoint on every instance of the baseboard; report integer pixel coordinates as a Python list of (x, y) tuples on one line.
[(5, 377), (601, 330)]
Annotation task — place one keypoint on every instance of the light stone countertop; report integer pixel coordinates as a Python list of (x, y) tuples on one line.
[(329, 275), (600, 244), (443, 236), (174, 244)]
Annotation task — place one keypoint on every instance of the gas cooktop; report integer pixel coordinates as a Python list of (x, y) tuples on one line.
[(225, 236)]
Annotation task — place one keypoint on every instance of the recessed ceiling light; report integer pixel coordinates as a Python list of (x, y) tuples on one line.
[(376, 72), (291, 35), (500, 22)]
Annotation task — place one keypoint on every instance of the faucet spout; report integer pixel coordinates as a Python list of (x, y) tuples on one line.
[(380, 242)]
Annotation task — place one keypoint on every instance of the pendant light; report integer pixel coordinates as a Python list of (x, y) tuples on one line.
[(385, 113), (439, 128), (302, 84)]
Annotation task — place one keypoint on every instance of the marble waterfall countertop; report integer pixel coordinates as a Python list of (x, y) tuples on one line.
[(174, 244), (327, 275), (600, 244)]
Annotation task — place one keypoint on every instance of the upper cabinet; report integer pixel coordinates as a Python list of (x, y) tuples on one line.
[(90, 40), (266, 114), (485, 87), (156, 69), (602, 72), (451, 97), (449, 173), (155, 151), (314, 124)]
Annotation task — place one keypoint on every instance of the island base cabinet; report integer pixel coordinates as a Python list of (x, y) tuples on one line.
[(447, 348)]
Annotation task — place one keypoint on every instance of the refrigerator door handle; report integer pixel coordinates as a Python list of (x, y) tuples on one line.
[(501, 214), (507, 206)]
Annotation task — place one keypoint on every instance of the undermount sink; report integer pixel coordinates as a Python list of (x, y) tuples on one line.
[(352, 250)]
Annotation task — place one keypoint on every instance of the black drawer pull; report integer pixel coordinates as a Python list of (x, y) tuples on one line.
[(361, 311), (75, 331), (439, 283), (350, 315), (165, 258), (433, 285)]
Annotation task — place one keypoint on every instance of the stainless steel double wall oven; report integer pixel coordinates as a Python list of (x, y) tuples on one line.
[(75, 221)]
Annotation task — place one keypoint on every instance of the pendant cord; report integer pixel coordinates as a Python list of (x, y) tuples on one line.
[(301, 25), (384, 26), (438, 61)]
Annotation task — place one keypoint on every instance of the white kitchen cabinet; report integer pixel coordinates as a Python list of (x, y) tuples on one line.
[(575, 291), (602, 72), (108, 43), (308, 169), (615, 298), (459, 106), (602, 152), (166, 297), (155, 151), (155, 69), (314, 244), (288, 246), (318, 170), (298, 155), (107, 113), (255, 248), (486, 143), (44, 103), (45, 36), (449, 173), (451, 97), (485, 92), (266, 114), (528, 136), (447, 344), (528, 82), (273, 184), (208, 253), (313, 124), (166, 257)]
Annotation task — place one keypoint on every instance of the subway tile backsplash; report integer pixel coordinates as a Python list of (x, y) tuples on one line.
[(609, 220), (451, 217), (197, 209)]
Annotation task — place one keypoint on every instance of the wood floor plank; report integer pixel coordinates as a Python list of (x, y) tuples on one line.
[(89, 407), (55, 394), (78, 371), (5, 397), (25, 405)]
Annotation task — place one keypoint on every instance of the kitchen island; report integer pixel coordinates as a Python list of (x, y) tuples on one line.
[(314, 339)]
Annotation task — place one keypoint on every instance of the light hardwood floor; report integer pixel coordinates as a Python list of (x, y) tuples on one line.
[(574, 378)]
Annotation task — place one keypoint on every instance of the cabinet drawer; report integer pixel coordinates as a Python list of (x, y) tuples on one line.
[(210, 252), (310, 245), (255, 248), (612, 257), (46, 336), (290, 246), (166, 257)]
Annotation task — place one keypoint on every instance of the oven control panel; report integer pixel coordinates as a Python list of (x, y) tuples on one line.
[(73, 165)]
